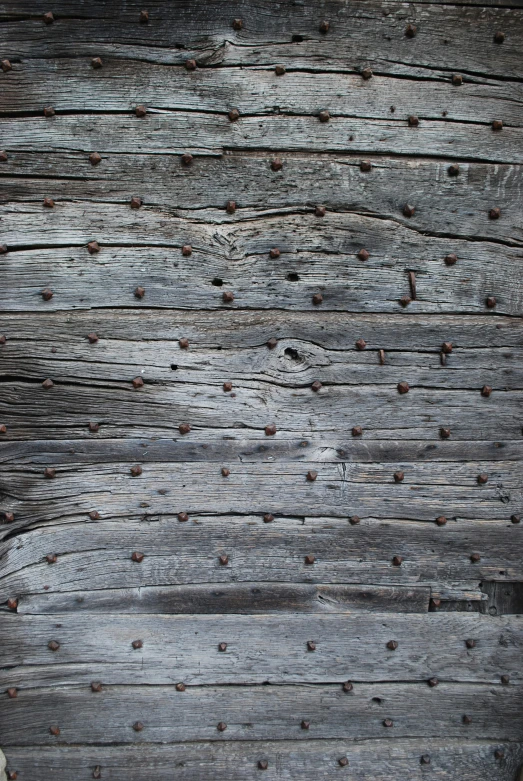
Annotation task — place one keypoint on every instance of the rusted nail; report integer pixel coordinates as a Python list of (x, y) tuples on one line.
[(410, 30), (316, 386), (230, 207), (446, 347), (263, 764), (6, 66), (184, 343), (392, 645), (227, 387), (409, 210), (180, 687), (413, 122), (49, 472), (12, 603), (443, 359), (137, 644), (274, 253), (272, 342), (144, 17), (223, 559), (305, 724), (3, 156), (184, 428), (222, 647), (97, 772), (276, 164), (137, 556), (93, 427), (432, 682), (361, 344), (317, 299), (412, 284), (397, 561), (47, 294), (435, 602), (9, 517), (54, 730), (499, 37), (279, 70), (12, 693), (49, 111), (347, 686), (363, 254), (309, 558), (96, 686), (388, 723), (495, 213), (186, 158), (453, 170), (136, 202), (324, 26), (343, 761), (51, 558), (136, 471), (138, 726), (96, 62), (482, 478), (48, 203), (234, 115), (444, 433), (475, 557), (320, 211), (405, 301), (227, 297), (92, 337), (365, 166), (490, 302), (47, 384), (356, 431), (190, 65), (499, 754), (424, 759), (270, 430), (237, 24), (221, 726), (93, 247), (486, 391), (311, 475), (186, 250), (450, 259), (366, 74), (470, 643), (3, 339), (497, 124), (137, 382), (268, 518), (457, 79), (505, 680), (311, 645), (515, 518), (441, 520), (354, 520), (324, 116), (48, 18), (399, 477), (53, 645), (94, 515), (381, 354), (140, 111), (403, 387), (95, 158), (183, 517), (466, 720)]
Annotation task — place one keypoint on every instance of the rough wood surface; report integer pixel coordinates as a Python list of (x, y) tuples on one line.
[(181, 470)]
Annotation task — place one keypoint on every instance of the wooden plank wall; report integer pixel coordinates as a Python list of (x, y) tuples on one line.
[(261, 390)]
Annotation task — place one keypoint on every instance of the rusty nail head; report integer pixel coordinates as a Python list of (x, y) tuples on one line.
[(317, 299), (136, 471), (227, 387), (137, 556), (311, 645), (486, 391), (49, 472), (221, 726), (441, 520), (466, 719), (190, 65), (222, 647), (515, 518), (411, 30), (475, 557), (499, 754), (453, 170), (184, 428), (3, 428), (223, 559), (51, 558), (425, 759), (392, 645), (482, 478), (53, 645), (237, 24), (403, 387), (144, 17), (320, 211), (354, 520), (347, 686), (49, 111), (48, 203), (497, 124), (311, 475), (3, 156), (12, 603), (97, 772), (186, 158), (47, 384), (446, 347), (470, 643), (366, 74), (225, 472), (263, 764), (399, 477), (6, 66), (9, 517), (365, 166), (48, 17), (227, 297), (136, 202), (388, 723), (271, 344), (93, 427), (316, 386), (95, 158), (444, 433), (54, 730), (96, 62), (138, 726), (435, 602), (490, 302), (270, 430), (268, 518), (187, 250), (92, 337), (3, 339), (234, 114), (450, 259), (93, 247), (363, 254), (432, 682), (343, 761), (137, 382), (94, 515), (137, 644), (12, 693), (183, 517), (279, 70), (47, 294), (361, 344), (305, 724), (499, 37), (397, 561), (413, 121), (274, 253), (457, 79), (324, 26), (409, 210), (96, 686), (324, 116), (276, 164), (505, 680), (140, 111), (310, 558), (405, 301), (180, 687), (230, 208), (495, 213), (184, 343), (357, 431)]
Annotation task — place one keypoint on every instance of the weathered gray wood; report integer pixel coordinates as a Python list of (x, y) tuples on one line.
[(315, 760), (362, 33), (261, 713), (98, 556), (247, 598), (449, 206), (271, 648), (503, 598)]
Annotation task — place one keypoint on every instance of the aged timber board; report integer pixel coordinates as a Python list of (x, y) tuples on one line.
[(261, 432)]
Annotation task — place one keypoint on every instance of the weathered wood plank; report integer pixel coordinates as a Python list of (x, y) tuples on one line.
[(446, 205), (315, 760), (361, 33), (261, 713), (266, 648), (99, 556)]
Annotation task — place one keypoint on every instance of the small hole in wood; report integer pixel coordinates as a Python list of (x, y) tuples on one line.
[(293, 277), (290, 352), (297, 38), (217, 282), (174, 366)]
